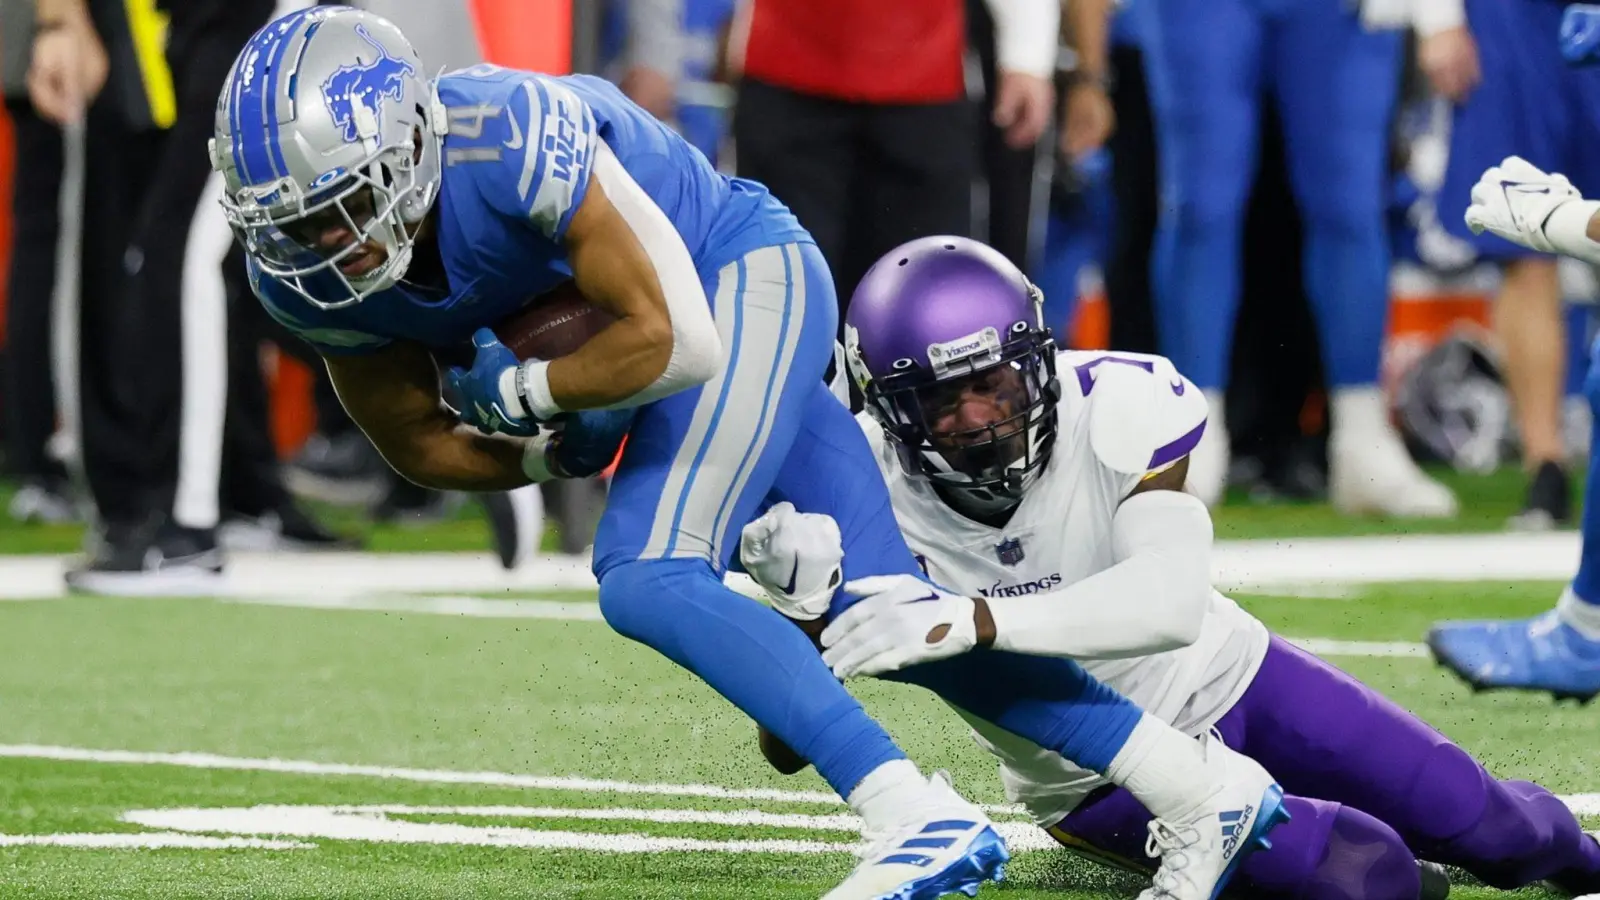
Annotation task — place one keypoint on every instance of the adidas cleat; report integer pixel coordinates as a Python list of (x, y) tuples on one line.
[(946, 847), (1201, 851)]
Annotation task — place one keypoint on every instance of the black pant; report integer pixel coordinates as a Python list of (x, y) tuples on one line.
[(1015, 183), (1133, 185), (862, 178), (154, 402), (30, 400)]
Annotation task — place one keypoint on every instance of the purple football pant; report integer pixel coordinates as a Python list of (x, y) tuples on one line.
[(1371, 789)]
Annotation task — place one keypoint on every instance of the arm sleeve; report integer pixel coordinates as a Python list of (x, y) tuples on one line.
[(1026, 35), (696, 345), (1152, 600), (1433, 16)]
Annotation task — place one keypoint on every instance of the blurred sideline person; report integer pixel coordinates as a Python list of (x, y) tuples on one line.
[(154, 344), (1212, 64), (43, 493), (856, 113), (1516, 200), (1499, 63)]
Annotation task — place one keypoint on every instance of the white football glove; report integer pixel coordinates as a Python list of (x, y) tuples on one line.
[(796, 558), (1515, 200), (900, 621)]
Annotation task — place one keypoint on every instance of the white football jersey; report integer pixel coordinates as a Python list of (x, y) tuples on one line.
[(1060, 534)]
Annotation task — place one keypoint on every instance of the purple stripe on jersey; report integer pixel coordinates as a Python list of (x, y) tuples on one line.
[(1086, 379), (1177, 449)]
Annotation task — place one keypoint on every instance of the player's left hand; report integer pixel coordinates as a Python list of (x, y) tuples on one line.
[(588, 442), (482, 404), (900, 621), (1515, 199)]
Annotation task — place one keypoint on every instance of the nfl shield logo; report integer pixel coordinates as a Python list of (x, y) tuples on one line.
[(1009, 551)]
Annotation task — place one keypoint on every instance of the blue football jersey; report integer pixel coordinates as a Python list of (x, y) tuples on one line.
[(516, 165)]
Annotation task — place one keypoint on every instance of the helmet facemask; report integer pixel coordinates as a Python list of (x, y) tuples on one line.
[(376, 206), (986, 467)]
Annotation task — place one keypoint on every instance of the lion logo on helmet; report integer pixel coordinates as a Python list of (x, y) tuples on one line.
[(365, 84)]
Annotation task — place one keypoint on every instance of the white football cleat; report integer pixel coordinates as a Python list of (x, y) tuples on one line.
[(944, 845), (1200, 852), (1369, 470), (1208, 461)]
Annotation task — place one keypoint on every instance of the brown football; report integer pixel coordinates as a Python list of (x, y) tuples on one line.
[(553, 324)]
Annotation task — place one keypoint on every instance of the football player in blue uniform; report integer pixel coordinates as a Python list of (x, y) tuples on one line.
[(1558, 651), (392, 219)]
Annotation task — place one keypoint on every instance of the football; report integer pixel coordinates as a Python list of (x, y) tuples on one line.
[(553, 324)]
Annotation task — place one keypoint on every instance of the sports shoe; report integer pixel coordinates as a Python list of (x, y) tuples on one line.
[(1200, 852), (1435, 881), (287, 528), (1549, 501), (944, 846), (1538, 654), (1370, 473), (42, 501), (158, 559)]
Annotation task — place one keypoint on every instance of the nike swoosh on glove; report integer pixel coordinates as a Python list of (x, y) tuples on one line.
[(796, 557), (478, 389), (900, 621), (1516, 199)]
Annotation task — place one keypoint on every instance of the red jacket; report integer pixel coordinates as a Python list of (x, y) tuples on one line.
[(871, 51)]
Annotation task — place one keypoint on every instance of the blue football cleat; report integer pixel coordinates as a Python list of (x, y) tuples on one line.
[(1580, 34), (947, 846), (1540, 654)]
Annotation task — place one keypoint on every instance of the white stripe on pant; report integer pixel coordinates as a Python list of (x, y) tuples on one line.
[(733, 419)]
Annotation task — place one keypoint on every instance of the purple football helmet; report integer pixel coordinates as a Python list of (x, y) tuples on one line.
[(940, 327)]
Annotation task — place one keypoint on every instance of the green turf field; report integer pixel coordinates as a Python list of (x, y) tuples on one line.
[(526, 757)]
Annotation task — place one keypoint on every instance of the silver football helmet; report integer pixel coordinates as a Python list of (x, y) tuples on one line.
[(328, 136)]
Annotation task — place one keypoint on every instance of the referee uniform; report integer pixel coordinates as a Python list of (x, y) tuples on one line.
[(154, 347)]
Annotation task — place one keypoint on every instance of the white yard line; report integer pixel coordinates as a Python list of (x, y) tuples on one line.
[(148, 840), (1332, 647), (1582, 804), (329, 823), (435, 605), (372, 823), (1316, 566), (400, 773), (394, 584), (437, 583), (741, 818)]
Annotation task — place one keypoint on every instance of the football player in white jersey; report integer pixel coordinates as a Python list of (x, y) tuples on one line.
[(1044, 489)]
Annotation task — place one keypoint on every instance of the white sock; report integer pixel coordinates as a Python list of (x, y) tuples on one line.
[(1583, 617), (1162, 768), (882, 798)]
